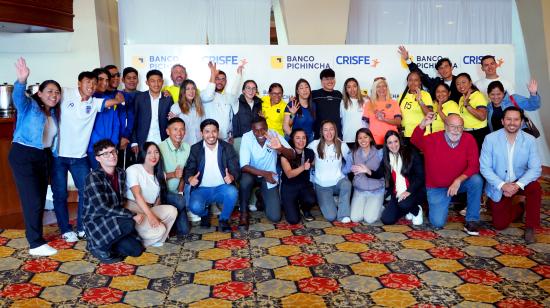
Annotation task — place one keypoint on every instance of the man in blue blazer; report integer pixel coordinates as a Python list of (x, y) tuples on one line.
[(151, 110), (511, 165)]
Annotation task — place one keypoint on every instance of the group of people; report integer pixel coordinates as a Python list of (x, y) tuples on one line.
[(143, 162)]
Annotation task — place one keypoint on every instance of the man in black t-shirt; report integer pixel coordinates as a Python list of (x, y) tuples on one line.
[(327, 102)]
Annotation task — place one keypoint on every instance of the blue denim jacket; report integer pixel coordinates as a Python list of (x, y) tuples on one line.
[(530, 103), (31, 120)]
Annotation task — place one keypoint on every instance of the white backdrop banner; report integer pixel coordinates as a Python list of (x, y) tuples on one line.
[(286, 64)]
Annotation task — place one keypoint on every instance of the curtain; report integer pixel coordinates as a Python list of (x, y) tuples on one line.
[(163, 22), (430, 22), (239, 22)]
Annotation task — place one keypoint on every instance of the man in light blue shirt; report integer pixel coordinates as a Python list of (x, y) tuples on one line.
[(511, 165), (258, 159), (174, 155)]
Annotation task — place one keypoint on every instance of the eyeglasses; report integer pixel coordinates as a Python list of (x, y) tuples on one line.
[(115, 75), (456, 127), (379, 78), (109, 153), (251, 89)]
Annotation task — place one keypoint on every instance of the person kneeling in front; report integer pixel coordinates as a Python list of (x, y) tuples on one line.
[(511, 164), (452, 166), (211, 171), (109, 226)]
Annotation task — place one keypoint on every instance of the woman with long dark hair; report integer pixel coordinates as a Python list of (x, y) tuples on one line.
[(296, 188), (35, 134), (368, 181), (443, 106), (404, 173), (299, 112), (473, 108), (146, 187), (328, 178)]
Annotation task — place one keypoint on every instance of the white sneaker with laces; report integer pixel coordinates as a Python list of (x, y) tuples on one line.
[(418, 219), (346, 220), (252, 207), (43, 251), (193, 217), (70, 237)]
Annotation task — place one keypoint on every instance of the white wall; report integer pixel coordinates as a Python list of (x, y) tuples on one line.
[(58, 56)]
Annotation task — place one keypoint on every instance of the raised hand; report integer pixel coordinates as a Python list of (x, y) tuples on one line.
[(532, 87), (240, 68), (428, 119), (212, 67), (467, 98), (194, 180), (418, 93), (228, 178), (274, 142), (21, 70), (403, 52), (294, 106)]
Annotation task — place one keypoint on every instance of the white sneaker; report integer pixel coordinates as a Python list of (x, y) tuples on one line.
[(252, 207), (193, 217), (409, 216), (345, 220), (70, 237), (81, 235), (43, 251), (418, 219), (157, 244), (463, 212)]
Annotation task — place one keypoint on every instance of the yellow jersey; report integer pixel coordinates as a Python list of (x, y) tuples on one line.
[(274, 115), (477, 100), (437, 125), (411, 112)]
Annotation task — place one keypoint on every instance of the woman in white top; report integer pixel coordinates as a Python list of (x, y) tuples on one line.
[(328, 177), (190, 109), (351, 110), (146, 184)]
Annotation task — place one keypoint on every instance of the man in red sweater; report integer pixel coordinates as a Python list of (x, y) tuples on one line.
[(452, 166)]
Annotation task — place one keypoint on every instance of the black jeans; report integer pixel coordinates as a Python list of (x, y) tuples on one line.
[(128, 243), (30, 168), (294, 197)]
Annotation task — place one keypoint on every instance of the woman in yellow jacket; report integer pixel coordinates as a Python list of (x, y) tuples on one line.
[(273, 108), (473, 108), (415, 103)]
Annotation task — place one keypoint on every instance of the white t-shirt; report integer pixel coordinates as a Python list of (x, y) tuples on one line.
[(352, 119), (328, 171), (136, 175), (76, 123), (483, 83), (154, 129)]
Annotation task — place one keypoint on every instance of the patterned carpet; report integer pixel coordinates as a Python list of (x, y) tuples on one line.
[(317, 264)]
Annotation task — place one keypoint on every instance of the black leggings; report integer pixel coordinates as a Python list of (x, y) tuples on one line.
[(395, 210)]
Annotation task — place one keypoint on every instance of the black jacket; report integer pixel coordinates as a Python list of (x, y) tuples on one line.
[(242, 120), (227, 158), (431, 83)]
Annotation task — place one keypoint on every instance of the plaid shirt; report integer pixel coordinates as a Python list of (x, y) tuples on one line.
[(102, 207)]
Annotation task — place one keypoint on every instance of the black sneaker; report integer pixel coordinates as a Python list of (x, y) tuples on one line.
[(308, 216), (106, 257), (471, 228), (224, 226), (205, 222)]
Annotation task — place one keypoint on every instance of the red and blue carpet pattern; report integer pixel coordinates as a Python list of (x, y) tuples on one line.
[(316, 264)]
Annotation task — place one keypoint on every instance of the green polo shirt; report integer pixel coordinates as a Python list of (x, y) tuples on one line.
[(172, 158)]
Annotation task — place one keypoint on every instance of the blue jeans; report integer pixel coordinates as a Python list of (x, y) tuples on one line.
[(79, 168), (439, 201), (179, 201), (325, 197), (201, 197)]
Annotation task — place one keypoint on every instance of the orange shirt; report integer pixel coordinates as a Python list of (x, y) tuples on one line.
[(378, 128)]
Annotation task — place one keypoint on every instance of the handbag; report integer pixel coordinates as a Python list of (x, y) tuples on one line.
[(530, 128)]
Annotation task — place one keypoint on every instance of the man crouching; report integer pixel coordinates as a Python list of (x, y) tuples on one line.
[(109, 226)]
